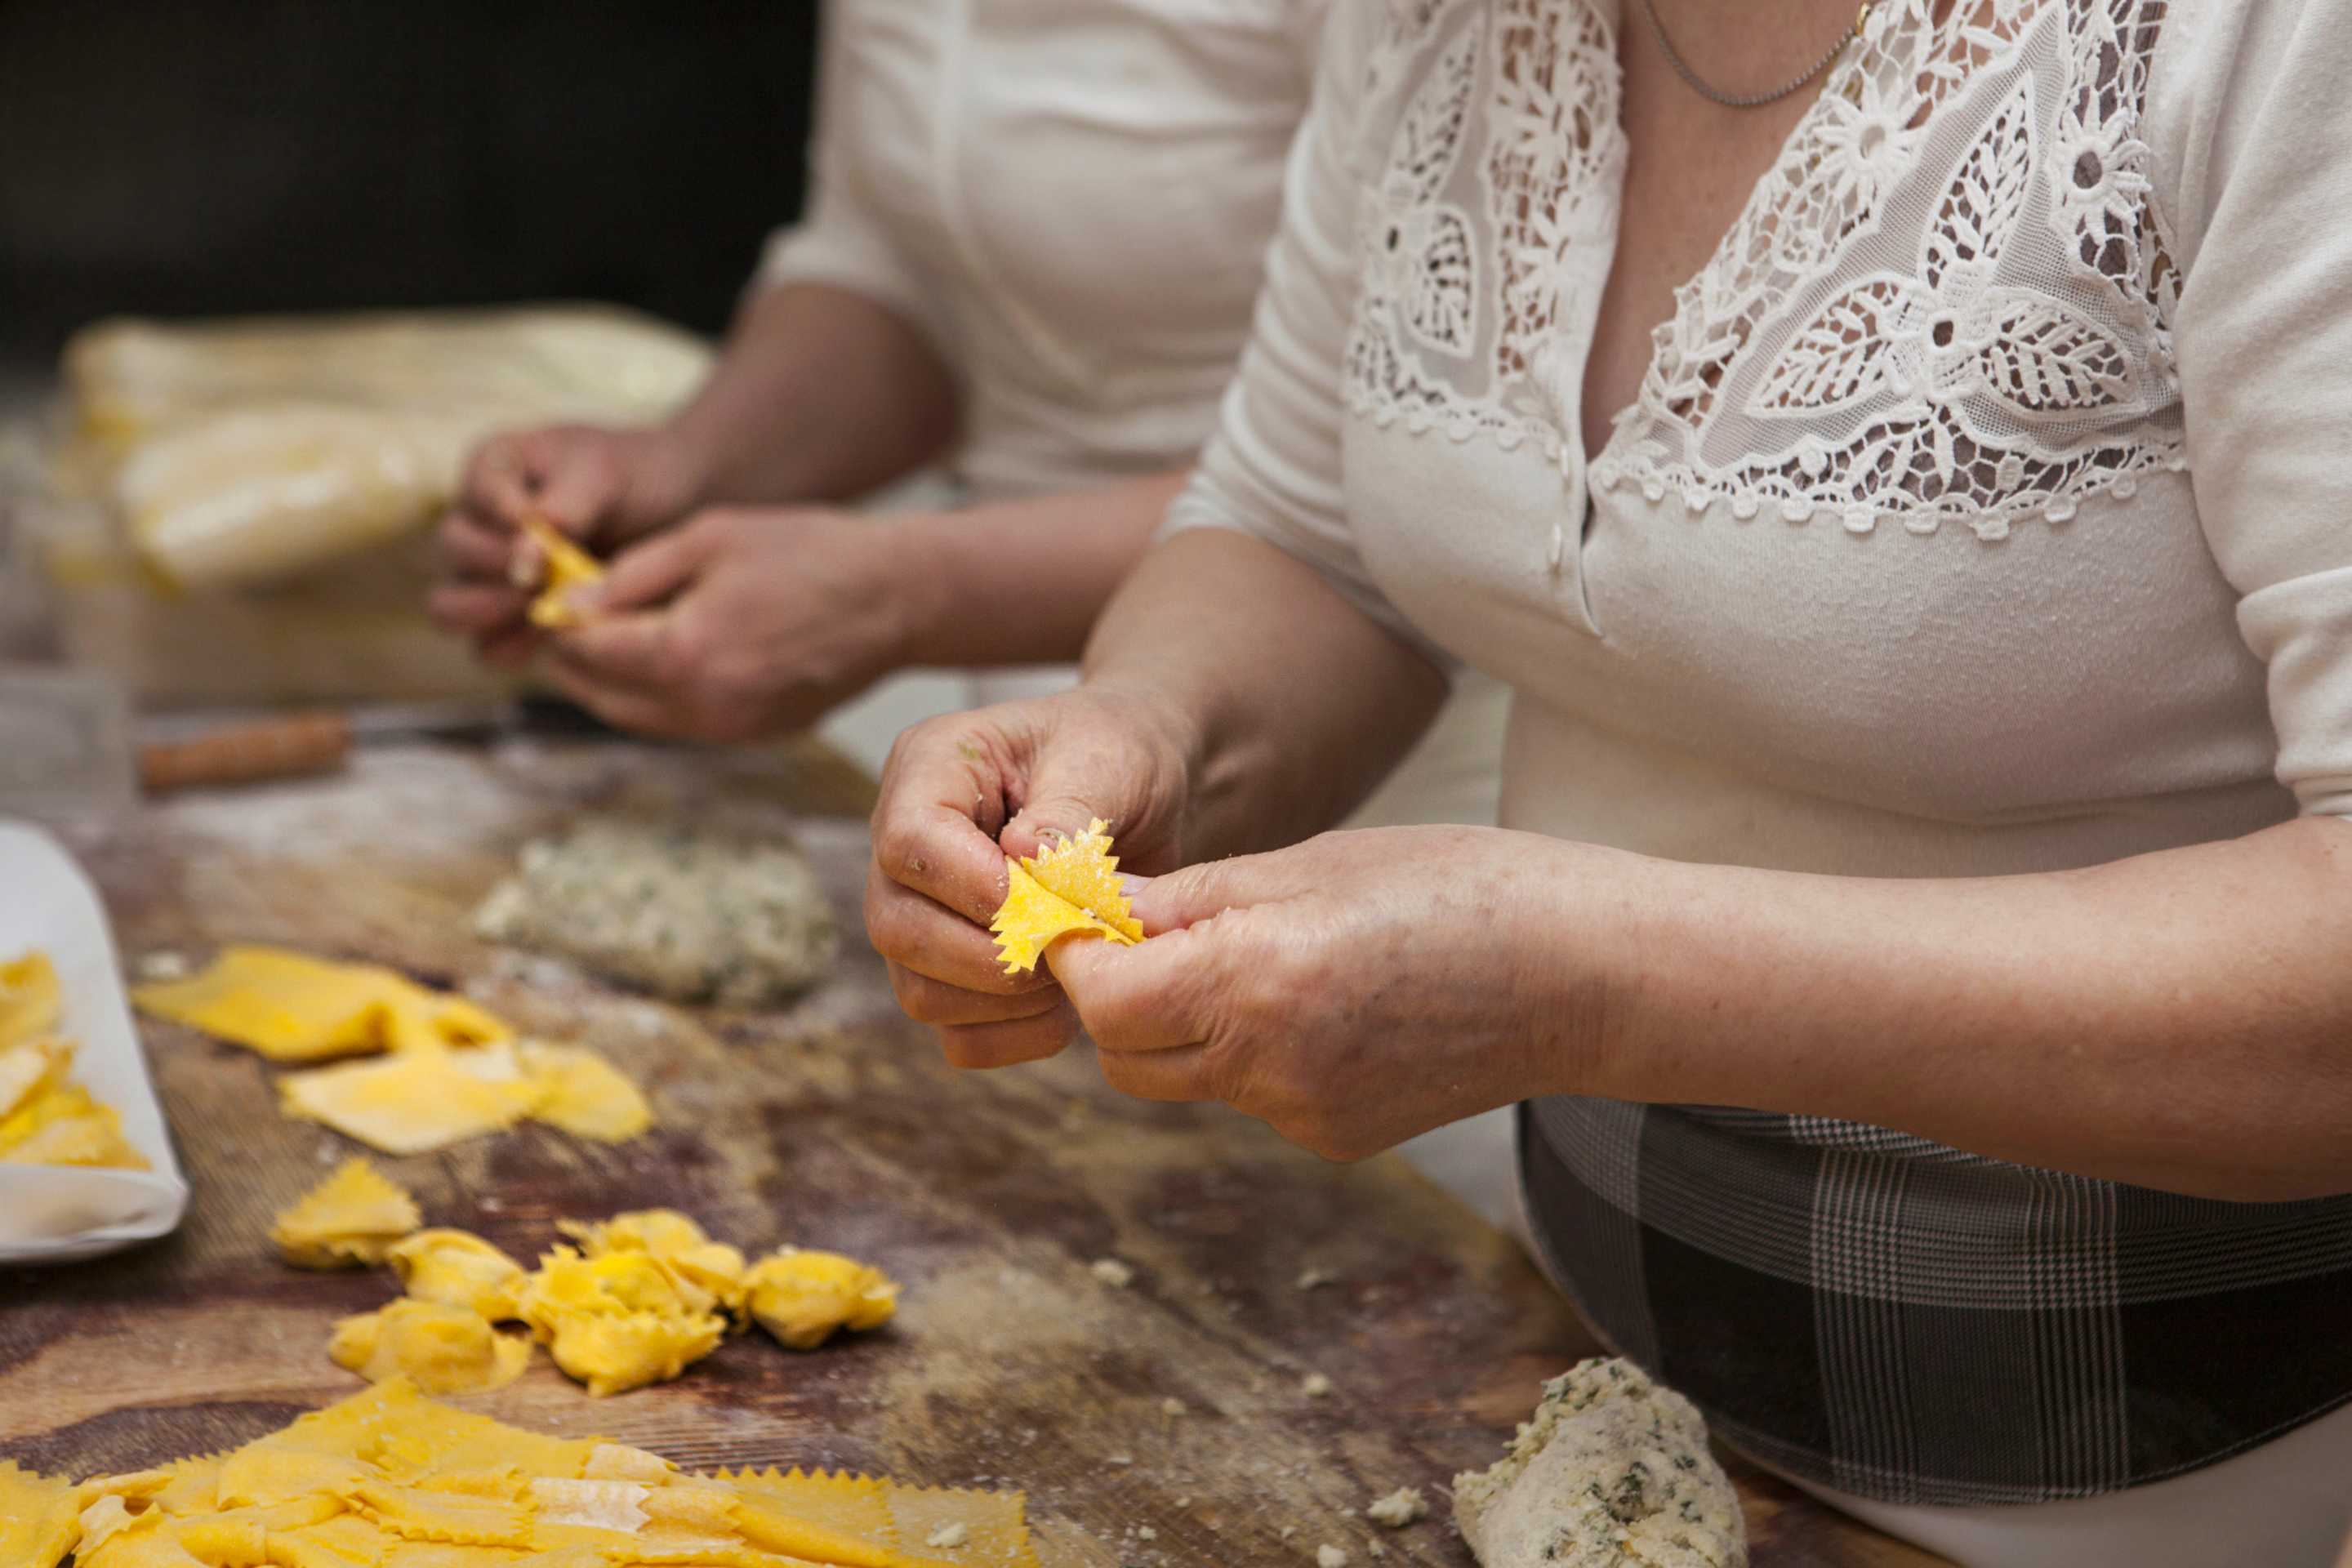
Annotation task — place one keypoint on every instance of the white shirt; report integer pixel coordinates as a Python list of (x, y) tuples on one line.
[(1924, 551), (1986, 506), (1071, 198)]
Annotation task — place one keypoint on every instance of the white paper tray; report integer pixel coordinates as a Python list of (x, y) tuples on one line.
[(51, 1214)]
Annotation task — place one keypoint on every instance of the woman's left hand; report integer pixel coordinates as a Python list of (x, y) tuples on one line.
[(1352, 991), (739, 624)]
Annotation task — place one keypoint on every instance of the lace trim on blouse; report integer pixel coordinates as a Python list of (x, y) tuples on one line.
[(1950, 297)]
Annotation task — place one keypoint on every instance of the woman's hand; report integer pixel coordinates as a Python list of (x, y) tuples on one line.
[(739, 624), (1352, 991), (958, 793), (602, 486)]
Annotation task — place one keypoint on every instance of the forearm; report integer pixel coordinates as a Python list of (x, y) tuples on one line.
[(2180, 1020), (1294, 702), (1024, 582), (820, 394)]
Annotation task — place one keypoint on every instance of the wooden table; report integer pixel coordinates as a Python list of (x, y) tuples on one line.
[(831, 1123)]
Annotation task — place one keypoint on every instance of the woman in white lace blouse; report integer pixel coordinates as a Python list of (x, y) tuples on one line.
[(1922, 936)]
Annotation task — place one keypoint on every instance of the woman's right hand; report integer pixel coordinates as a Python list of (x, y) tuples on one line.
[(605, 487), (960, 794)]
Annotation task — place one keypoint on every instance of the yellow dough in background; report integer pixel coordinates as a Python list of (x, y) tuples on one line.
[(583, 1094), (567, 567), (446, 1350), (455, 1070), (415, 1101), (31, 1002), (291, 1007), (29, 1069), (458, 1268), (710, 1272), (47, 1118), (350, 1219), (802, 1297), (618, 1321)]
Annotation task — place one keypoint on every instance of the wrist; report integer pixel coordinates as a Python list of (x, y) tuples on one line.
[(933, 616), (1594, 954), (678, 469)]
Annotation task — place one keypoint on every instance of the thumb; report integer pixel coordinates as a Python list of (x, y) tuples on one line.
[(1196, 893), (648, 573), (578, 478), (1068, 791), (1044, 822), (501, 474)]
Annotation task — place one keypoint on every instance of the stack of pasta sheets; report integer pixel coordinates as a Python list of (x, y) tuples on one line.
[(388, 1478)]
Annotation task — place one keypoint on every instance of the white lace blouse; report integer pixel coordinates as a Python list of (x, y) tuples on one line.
[(1071, 198), (1987, 505)]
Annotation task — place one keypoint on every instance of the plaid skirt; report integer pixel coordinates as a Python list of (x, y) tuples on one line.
[(1897, 1319)]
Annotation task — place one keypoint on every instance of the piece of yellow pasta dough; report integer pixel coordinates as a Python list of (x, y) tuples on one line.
[(417, 1100), (291, 1007), (802, 1297), (39, 1518), (457, 1269), (1071, 889), (456, 1070), (582, 1093), (32, 1002), (709, 1272), (389, 1479), (567, 567), (448, 1350), (47, 1118), (349, 1220), (30, 1068), (618, 1321)]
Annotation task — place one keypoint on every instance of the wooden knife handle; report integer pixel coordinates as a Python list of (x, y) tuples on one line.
[(272, 748)]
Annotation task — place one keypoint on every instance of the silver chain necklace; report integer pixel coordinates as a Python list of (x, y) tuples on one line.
[(1752, 100)]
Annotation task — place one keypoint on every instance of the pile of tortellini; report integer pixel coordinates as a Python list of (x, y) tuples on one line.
[(636, 1299)]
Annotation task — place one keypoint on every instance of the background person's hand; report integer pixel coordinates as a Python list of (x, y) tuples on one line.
[(743, 624), (604, 487), (1352, 990), (961, 792)]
